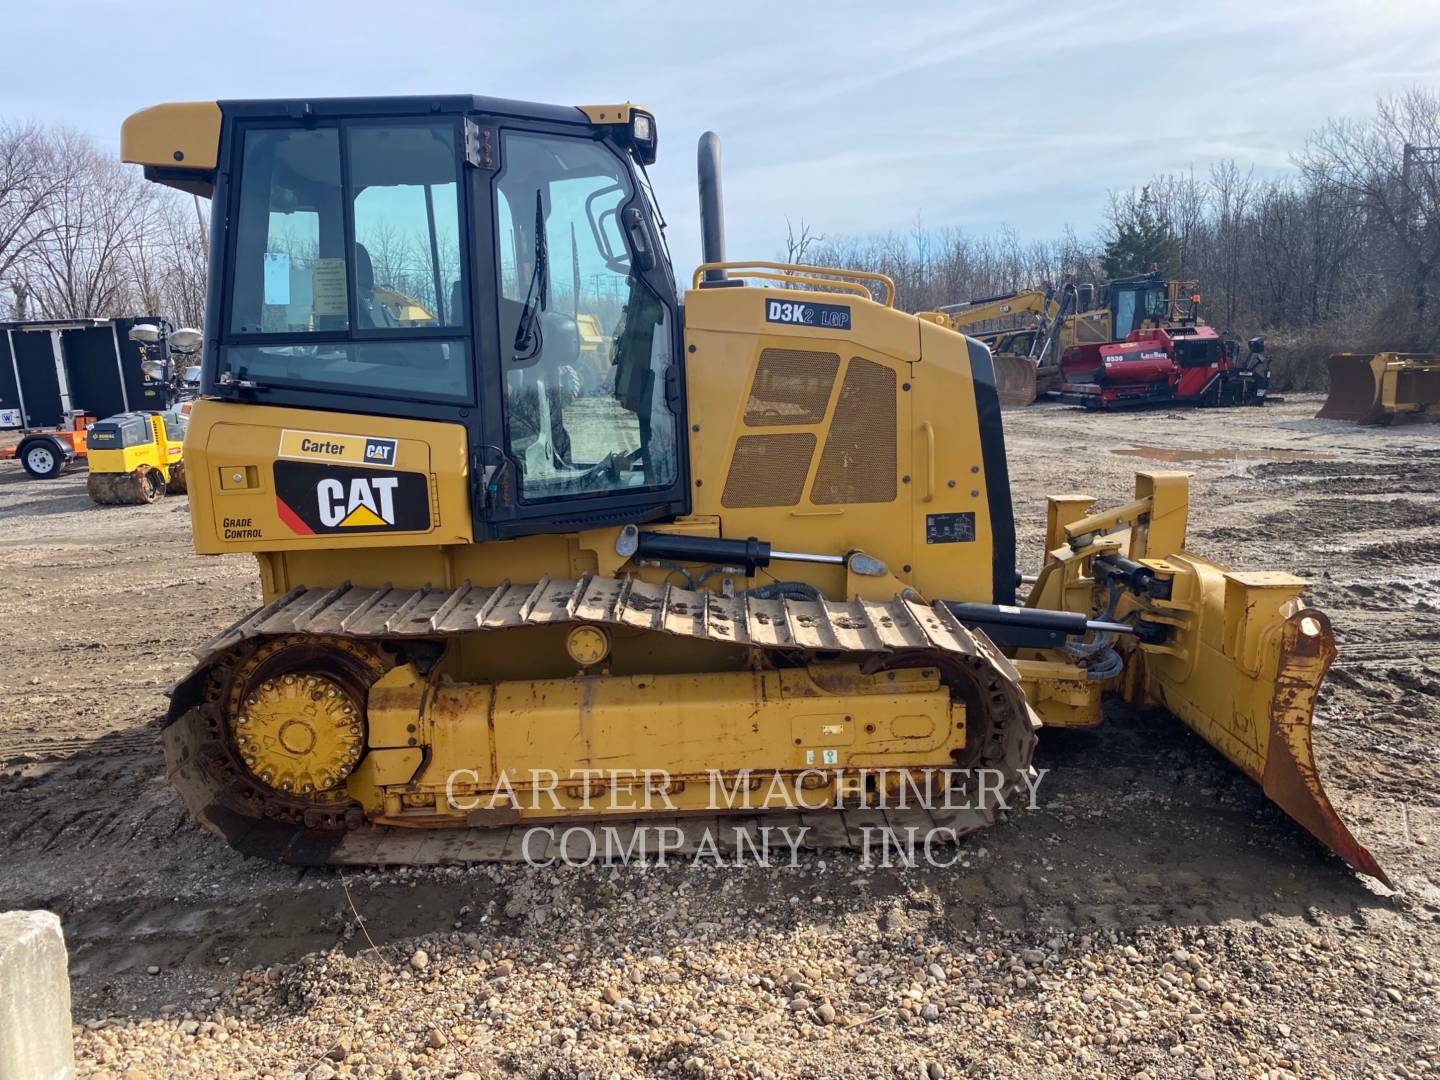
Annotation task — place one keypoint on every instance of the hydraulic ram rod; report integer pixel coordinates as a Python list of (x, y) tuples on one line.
[(1031, 628)]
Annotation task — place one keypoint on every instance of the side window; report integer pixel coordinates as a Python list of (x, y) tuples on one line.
[(407, 226), (1124, 313), (584, 342), (368, 259), (290, 240)]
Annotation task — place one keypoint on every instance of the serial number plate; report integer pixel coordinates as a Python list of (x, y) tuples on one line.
[(950, 528)]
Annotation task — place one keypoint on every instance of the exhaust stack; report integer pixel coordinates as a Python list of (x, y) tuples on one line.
[(712, 208)]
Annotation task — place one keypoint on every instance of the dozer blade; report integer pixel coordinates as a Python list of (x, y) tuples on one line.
[(1015, 379), (1236, 656), (1382, 387), (1254, 702), (1047, 379)]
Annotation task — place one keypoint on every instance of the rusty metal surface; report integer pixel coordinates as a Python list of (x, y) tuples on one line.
[(1292, 779), (1355, 388), (1014, 379)]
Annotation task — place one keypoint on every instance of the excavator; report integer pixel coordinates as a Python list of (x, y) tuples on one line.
[(1027, 357), (765, 570)]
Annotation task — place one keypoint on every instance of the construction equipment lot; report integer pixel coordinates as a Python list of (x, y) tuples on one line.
[(1154, 913)]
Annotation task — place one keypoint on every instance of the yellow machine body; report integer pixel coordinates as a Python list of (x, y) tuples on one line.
[(124, 469), (411, 670), (1382, 388), (1026, 364)]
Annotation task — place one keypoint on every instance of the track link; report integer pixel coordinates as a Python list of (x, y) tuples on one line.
[(905, 631)]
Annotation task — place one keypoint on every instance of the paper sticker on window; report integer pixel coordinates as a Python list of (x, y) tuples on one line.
[(277, 277), (328, 277)]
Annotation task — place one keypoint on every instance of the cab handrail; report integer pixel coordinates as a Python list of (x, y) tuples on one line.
[(805, 274)]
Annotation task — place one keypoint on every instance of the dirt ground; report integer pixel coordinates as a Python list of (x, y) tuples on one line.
[(1155, 915)]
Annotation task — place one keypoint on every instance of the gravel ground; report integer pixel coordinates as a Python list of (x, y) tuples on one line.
[(1154, 916)]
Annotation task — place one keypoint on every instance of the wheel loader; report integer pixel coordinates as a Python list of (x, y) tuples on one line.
[(770, 557)]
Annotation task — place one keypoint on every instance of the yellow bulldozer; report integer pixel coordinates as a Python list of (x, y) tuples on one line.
[(765, 571), (1382, 388), (1042, 323)]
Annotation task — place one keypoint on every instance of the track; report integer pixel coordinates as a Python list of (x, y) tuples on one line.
[(258, 820)]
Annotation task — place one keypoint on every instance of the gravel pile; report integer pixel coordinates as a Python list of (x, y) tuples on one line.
[(690, 972)]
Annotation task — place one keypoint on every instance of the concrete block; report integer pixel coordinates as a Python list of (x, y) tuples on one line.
[(35, 1039)]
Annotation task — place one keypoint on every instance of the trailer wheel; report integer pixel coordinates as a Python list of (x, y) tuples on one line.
[(42, 458)]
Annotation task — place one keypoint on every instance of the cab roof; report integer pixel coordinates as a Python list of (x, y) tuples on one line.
[(179, 143)]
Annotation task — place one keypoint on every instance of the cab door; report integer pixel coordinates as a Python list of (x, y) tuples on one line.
[(580, 375)]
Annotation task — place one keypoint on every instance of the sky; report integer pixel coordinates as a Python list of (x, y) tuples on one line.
[(854, 118)]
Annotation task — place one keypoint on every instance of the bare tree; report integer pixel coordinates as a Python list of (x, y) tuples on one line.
[(31, 177), (1387, 173), (92, 225)]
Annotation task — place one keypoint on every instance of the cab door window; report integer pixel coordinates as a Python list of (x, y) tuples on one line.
[(584, 342)]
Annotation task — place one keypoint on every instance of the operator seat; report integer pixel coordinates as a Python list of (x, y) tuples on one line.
[(372, 314)]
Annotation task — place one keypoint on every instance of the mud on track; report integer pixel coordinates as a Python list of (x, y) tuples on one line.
[(1142, 828)]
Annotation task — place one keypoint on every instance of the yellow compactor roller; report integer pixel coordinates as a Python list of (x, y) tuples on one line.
[(769, 556), (136, 458)]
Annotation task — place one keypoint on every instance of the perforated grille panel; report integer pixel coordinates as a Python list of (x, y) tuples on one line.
[(792, 386), (858, 465), (768, 470)]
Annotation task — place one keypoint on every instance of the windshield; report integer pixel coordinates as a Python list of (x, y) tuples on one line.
[(585, 341), (1136, 307), (347, 233)]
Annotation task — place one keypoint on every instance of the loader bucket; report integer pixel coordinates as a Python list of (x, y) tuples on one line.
[(1015, 379), (1379, 388)]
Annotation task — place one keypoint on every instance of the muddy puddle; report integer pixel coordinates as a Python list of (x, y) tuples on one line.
[(1172, 455)]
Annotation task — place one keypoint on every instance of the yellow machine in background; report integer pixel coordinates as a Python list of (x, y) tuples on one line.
[(772, 550), (1027, 354), (136, 457), (1381, 388)]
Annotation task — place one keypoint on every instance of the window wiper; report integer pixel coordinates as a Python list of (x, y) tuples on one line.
[(537, 295)]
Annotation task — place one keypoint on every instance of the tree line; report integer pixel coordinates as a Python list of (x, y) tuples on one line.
[(84, 236), (1341, 254)]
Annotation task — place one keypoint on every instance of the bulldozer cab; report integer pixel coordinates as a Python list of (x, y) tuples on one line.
[(1150, 301), (397, 259), (1136, 304)]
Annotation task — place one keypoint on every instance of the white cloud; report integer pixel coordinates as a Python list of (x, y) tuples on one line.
[(856, 117)]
